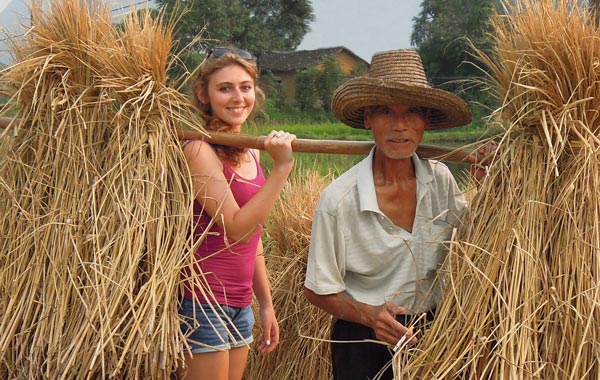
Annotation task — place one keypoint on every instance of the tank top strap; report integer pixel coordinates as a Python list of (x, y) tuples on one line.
[(230, 173)]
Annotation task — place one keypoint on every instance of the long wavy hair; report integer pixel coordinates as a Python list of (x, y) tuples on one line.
[(233, 155)]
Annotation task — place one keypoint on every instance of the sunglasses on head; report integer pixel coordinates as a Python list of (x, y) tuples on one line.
[(221, 51)]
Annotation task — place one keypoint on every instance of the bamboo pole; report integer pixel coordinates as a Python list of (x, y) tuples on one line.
[(310, 145)]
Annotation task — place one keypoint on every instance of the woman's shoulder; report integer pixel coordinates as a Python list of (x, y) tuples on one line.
[(200, 152), (198, 145)]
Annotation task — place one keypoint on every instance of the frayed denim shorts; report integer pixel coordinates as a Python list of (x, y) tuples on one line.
[(210, 328)]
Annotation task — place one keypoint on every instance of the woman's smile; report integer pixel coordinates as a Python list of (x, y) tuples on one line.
[(232, 95)]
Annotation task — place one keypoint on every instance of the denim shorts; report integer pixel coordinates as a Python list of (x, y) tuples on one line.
[(210, 328)]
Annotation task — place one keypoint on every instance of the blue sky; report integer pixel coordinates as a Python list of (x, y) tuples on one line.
[(363, 26), (3, 4), (14, 14)]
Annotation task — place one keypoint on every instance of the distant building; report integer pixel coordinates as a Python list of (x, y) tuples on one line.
[(283, 66)]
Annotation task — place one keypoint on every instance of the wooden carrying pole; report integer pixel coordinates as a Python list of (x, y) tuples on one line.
[(309, 145)]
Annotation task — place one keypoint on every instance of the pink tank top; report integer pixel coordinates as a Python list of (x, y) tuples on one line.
[(228, 266)]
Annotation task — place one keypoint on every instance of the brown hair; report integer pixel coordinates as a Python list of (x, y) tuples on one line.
[(207, 68)]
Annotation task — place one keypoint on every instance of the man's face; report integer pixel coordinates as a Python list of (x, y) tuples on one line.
[(397, 129)]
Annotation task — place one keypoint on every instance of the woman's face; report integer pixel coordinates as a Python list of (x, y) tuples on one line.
[(231, 95)]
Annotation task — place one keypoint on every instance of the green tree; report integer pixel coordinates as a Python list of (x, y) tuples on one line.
[(306, 96), (315, 88), (441, 32), (328, 80), (256, 25)]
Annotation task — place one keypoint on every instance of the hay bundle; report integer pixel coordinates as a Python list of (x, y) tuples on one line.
[(522, 291), (304, 329), (96, 200)]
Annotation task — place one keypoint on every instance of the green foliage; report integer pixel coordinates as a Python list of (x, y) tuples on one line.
[(306, 94), (315, 88), (358, 69), (329, 79), (271, 86), (292, 115), (442, 32), (256, 25), (275, 24)]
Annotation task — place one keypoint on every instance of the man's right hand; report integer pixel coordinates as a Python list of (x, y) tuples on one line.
[(387, 328)]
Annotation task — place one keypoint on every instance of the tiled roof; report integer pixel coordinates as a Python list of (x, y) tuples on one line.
[(283, 61)]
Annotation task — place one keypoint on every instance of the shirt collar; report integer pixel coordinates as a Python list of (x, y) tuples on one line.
[(366, 185)]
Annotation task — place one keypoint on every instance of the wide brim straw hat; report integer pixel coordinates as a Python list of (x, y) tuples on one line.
[(398, 77)]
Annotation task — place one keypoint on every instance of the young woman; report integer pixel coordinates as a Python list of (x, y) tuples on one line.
[(233, 200)]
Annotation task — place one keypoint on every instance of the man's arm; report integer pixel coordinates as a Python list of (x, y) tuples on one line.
[(379, 318)]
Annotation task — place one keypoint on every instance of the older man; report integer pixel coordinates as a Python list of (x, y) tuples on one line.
[(379, 230)]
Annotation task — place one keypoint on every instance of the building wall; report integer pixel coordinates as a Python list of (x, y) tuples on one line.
[(285, 85), (345, 60), (287, 80)]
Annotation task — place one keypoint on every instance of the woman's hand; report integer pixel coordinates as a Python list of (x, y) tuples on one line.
[(278, 145), (269, 337)]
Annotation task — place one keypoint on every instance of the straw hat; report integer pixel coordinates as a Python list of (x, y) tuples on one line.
[(397, 77)]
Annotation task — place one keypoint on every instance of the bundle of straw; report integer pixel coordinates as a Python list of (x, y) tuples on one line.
[(96, 200), (522, 292), (303, 352)]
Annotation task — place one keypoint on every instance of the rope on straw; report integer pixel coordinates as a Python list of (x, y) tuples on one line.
[(96, 200), (522, 293)]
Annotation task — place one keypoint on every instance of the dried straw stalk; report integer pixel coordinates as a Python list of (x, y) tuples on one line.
[(304, 349), (522, 293), (96, 200)]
